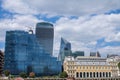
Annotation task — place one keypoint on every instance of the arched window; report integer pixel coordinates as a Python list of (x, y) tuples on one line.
[(93, 74), (87, 74), (106, 74), (97, 74), (81, 74), (77, 74), (90, 74), (109, 74), (100, 74)]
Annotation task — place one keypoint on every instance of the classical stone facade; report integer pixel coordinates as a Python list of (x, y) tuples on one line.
[(87, 67)]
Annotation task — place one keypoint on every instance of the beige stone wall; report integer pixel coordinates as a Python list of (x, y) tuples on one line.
[(71, 68)]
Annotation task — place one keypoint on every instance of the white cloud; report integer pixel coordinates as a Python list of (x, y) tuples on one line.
[(18, 6), (18, 22), (61, 7), (110, 50), (113, 37), (84, 32)]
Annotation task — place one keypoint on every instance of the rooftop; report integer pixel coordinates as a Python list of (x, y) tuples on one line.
[(44, 25)]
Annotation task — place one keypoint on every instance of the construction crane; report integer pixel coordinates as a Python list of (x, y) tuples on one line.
[(30, 29)]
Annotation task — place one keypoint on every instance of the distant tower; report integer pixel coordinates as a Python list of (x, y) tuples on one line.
[(95, 54), (65, 49), (45, 35)]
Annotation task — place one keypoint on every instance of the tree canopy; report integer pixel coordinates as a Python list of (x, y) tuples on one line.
[(23, 75), (119, 65), (63, 74), (7, 72)]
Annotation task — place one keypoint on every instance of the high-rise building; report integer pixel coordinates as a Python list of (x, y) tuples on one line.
[(1, 62), (24, 53), (78, 53), (65, 49), (95, 54), (45, 35)]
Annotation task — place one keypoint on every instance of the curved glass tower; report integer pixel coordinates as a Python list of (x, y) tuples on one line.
[(45, 35)]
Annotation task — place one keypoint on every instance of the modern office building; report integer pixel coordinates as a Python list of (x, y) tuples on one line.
[(1, 62), (45, 35), (95, 54), (24, 53), (87, 67), (65, 49), (78, 53), (111, 55)]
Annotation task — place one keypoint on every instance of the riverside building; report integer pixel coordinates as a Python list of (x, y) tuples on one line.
[(87, 67), (24, 53)]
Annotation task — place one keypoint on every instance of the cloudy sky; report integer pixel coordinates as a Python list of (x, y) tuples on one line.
[(90, 25)]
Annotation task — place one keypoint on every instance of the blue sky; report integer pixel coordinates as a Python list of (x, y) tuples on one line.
[(90, 25)]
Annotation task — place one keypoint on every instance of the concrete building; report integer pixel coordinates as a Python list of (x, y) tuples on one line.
[(87, 67), (45, 35), (1, 61)]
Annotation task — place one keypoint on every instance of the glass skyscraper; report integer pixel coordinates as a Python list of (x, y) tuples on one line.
[(24, 53), (45, 35), (65, 49), (78, 53)]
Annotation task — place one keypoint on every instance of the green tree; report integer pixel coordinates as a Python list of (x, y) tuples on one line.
[(32, 75), (23, 75), (63, 74), (119, 65), (7, 72)]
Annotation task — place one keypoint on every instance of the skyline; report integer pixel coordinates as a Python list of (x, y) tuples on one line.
[(88, 27)]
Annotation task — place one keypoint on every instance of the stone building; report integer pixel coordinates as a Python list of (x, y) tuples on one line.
[(113, 61), (87, 67)]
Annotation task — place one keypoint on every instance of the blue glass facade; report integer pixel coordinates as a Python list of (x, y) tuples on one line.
[(24, 53), (78, 53), (45, 35), (65, 49)]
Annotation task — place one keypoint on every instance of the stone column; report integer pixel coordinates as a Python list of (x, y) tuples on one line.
[(105, 74), (78, 75), (99, 74), (89, 75)]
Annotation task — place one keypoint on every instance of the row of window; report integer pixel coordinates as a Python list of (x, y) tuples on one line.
[(89, 67), (93, 74), (70, 71), (70, 62)]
